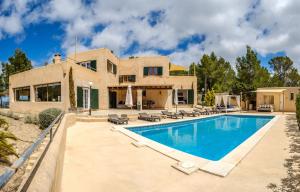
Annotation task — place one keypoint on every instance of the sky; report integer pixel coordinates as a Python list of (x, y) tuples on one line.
[(181, 30)]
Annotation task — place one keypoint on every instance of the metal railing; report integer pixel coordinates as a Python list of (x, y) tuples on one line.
[(10, 171)]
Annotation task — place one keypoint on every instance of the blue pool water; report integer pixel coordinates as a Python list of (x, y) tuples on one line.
[(210, 138)]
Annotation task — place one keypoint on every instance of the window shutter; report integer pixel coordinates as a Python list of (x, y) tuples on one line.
[(79, 97), (94, 65), (120, 79), (146, 71), (94, 99), (159, 70), (190, 96), (133, 78)]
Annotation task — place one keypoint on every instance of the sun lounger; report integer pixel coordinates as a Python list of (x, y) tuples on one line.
[(188, 113), (114, 118), (125, 117), (265, 108), (171, 115), (201, 111), (148, 117)]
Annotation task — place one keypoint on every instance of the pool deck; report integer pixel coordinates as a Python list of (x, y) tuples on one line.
[(98, 159)]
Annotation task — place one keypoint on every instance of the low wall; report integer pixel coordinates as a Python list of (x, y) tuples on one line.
[(48, 175)]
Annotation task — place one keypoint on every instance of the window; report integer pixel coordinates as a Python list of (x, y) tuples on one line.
[(126, 78), (153, 71), (92, 65), (111, 67), (292, 95), (48, 92), (269, 99), (22, 94)]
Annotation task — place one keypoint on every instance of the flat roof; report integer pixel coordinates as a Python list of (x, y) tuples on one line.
[(270, 90)]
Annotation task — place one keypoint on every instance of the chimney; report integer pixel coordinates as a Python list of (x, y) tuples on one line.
[(57, 58)]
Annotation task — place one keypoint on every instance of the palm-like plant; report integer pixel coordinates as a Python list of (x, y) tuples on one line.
[(6, 149)]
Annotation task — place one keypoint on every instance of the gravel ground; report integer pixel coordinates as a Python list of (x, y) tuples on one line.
[(26, 133)]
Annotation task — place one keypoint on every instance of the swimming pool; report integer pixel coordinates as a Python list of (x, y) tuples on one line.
[(210, 138)]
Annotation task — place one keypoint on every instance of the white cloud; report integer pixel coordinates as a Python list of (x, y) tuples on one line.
[(223, 23)]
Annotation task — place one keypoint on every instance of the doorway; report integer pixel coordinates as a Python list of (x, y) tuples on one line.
[(112, 99), (86, 98)]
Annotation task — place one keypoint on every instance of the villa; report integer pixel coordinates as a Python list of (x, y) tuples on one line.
[(100, 81)]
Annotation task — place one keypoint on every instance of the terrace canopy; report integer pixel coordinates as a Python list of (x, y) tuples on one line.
[(227, 100)]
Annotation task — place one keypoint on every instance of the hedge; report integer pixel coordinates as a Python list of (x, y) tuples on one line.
[(298, 110), (47, 116)]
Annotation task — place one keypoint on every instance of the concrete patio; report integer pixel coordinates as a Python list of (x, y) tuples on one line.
[(98, 159)]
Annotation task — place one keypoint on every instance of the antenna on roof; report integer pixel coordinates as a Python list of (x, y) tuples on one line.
[(75, 48)]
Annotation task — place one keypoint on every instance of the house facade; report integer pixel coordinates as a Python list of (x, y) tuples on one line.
[(100, 80), (282, 98)]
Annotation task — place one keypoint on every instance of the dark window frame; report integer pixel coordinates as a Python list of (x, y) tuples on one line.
[(16, 98), (153, 71), (50, 92), (292, 96), (127, 78), (111, 67), (88, 64)]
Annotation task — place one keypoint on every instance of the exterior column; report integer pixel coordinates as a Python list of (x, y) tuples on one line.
[(140, 98), (169, 99), (32, 95)]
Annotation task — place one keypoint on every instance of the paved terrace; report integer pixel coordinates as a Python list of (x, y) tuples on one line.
[(98, 159)]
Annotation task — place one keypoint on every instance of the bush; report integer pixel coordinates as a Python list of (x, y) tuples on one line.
[(210, 98), (31, 119), (47, 116), (4, 124), (298, 110)]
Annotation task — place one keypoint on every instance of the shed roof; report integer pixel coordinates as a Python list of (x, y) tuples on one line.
[(270, 90)]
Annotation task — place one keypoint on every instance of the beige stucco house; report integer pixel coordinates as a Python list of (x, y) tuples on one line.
[(282, 98), (108, 76)]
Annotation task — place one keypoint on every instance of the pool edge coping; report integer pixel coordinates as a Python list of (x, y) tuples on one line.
[(221, 167)]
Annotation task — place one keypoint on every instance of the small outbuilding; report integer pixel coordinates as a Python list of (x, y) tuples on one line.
[(281, 98)]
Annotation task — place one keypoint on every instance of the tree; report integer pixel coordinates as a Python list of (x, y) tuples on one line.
[(281, 66), (293, 78), (215, 73), (284, 72), (250, 74), (16, 63), (71, 90)]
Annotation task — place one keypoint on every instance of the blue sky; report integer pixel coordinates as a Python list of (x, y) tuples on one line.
[(184, 31)]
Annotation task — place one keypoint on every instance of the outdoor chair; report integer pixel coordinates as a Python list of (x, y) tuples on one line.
[(148, 117), (188, 113), (125, 117), (114, 118), (171, 115), (201, 111)]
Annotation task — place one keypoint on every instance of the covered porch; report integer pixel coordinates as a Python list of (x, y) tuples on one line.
[(144, 97)]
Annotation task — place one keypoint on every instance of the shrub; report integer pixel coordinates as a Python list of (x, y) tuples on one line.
[(47, 116), (10, 114), (31, 119), (298, 110), (210, 98), (4, 124), (15, 117)]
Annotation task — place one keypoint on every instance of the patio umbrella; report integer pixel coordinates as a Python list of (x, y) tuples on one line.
[(176, 98), (128, 101)]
